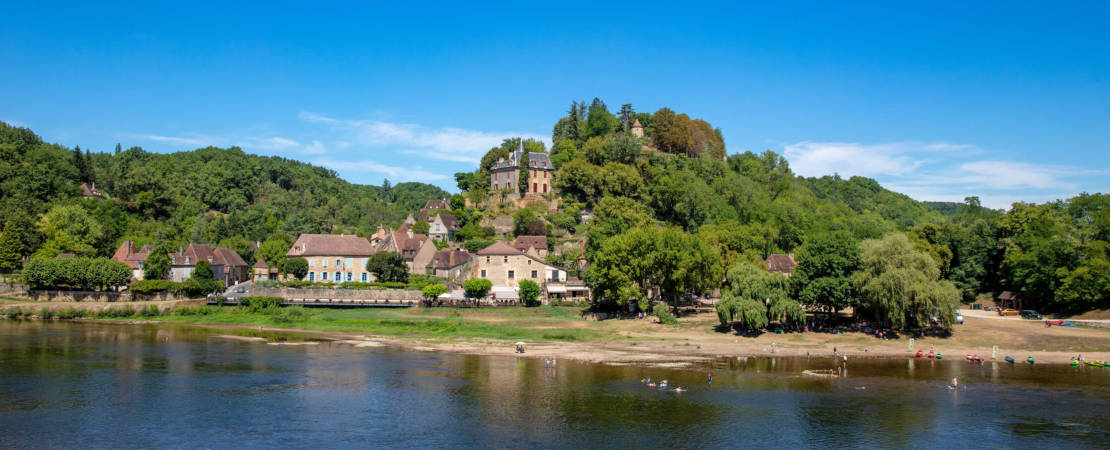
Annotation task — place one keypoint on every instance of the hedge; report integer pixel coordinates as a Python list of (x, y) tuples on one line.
[(78, 273)]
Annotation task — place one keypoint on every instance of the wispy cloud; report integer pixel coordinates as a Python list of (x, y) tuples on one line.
[(194, 140), (445, 143), (940, 171), (396, 173)]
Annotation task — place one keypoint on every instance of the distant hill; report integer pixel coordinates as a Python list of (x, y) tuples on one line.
[(205, 195)]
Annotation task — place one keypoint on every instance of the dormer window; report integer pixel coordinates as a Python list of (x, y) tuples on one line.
[(186, 260)]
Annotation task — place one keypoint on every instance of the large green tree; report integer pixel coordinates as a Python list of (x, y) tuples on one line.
[(900, 284), (388, 266), (823, 277)]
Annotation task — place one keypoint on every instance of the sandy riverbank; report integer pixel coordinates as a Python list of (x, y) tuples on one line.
[(563, 333)]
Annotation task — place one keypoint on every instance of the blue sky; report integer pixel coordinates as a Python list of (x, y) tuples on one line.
[(1006, 100)]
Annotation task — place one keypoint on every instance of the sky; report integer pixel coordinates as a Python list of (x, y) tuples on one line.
[(1008, 101)]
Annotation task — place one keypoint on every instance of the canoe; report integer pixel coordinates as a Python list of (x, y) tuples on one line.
[(1009, 359), (920, 353), (1029, 359), (971, 357), (939, 357)]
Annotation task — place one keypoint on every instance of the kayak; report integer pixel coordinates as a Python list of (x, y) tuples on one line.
[(1075, 363), (1029, 359), (1009, 359), (938, 356), (920, 353), (971, 357)]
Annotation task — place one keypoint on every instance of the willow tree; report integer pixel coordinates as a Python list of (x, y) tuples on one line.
[(755, 297), (901, 285)]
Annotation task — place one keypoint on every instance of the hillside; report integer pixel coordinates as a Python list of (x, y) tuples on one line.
[(206, 195)]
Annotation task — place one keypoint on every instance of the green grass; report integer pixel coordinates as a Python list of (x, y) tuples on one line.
[(510, 323)]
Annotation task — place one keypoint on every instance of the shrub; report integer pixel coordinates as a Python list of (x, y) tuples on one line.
[(477, 288), (291, 314), (151, 286), (115, 313), (529, 292), (149, 311), (70, 313), (46, 314), (260, 304), (663, 312)]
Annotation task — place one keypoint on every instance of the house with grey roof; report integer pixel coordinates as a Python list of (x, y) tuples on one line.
[(505, 173)]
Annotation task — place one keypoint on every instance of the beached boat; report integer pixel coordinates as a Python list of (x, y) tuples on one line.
[(939, 356), (976, 358), (1029, 359), (1009, 359), (920, 353)]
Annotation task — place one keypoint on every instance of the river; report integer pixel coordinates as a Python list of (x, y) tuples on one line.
[(78, 385)]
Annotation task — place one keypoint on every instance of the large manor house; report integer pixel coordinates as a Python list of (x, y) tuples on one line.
[(505, 173)]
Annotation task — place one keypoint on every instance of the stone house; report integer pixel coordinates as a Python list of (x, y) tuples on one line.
[(505, 173), (227, 266), (443, 227), (335, 258), (431, 208), (450, 264), (261, 271), (134, 258), (524, 243), (504, 265), (90, 191), (780, 263)]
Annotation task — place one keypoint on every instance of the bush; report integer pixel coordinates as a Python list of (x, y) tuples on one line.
[(115, 313), (476, 288), (77, 273), (663, 312), (151, 286), (150, 311), (529, 292), (291, 314), (260, 304)]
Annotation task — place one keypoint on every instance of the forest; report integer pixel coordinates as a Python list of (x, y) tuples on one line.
[(212, 195), (672, 214)]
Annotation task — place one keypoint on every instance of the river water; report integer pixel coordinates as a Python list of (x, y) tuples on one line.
[(78, 385)]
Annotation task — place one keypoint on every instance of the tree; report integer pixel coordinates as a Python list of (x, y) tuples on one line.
[(387, 191), (297, 267), (600, 122), (476, 288), (670, 133), (202, 271), (433, 291), (901, 285), (157, 264), (529, 292), (274, 248), (388, 266), (627, 115), (420, 227), (69, 229), (521, 219), (755, 297), (823, 276), (525, 172)]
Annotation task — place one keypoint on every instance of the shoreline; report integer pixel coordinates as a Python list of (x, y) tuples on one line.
[(633, 352)]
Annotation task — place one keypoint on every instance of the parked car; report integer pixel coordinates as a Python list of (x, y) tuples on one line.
[(990, 308), (1007, 312), (1031, 315), (959, 318)]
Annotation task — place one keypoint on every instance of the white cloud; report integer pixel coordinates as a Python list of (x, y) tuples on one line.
[(196, 140), (446, 143), (315, 148), (940, 171), (396, 173)]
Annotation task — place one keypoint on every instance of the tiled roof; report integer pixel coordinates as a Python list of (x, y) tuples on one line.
[(1008, 295), (636, 124), (221, 256), (90, 191), (522, 243), (261, 264), (499, 248), (449, 257), (229, 257), (126, 254), (330, 245), (449, 221), (779, 262)]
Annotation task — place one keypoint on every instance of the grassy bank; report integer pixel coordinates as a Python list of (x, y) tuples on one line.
[(541, 323)]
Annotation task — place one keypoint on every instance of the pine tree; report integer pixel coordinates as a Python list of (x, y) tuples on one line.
[(10, 246)]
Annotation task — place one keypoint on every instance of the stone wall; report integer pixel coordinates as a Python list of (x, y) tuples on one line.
[(100, 297), (351, 294)]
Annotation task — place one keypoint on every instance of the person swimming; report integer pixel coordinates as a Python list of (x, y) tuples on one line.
[(679, 389)]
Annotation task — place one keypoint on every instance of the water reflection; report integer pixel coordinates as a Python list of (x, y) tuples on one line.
[(73, 384)]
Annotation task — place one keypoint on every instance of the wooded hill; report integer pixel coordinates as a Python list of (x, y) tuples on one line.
[(212, 195)]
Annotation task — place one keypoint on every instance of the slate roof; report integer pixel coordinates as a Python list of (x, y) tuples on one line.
[(330, 245), (779, 262), (539, 161), (522, 243)]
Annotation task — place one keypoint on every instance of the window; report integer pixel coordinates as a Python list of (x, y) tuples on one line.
[(311, 262), (338, 277), (312, 276), (364, 277), (338, 262), (186, 260), (487, 260), (534, 274), (483, 273), (324, 262), (534, 188), (529, 262), (349, 276), (506, 261), (324, 276), (350, 262), (512, 274), (545, 188)]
